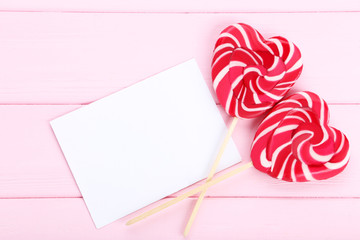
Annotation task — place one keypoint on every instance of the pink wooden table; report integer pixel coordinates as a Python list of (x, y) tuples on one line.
[(58, 55)]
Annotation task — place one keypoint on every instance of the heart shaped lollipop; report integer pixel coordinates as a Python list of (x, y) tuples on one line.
[(250, 74), (294, 142)]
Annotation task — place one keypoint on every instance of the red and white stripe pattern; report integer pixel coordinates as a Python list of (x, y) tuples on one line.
[(294, 142), (250, 74)]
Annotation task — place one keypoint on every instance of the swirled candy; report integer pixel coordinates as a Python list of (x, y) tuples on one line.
[(250, 74), (294, 142)]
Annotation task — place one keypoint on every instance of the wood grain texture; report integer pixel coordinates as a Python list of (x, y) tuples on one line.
[(180, 6), (32, 164), (59, 54), (231, 218), (76, 58)]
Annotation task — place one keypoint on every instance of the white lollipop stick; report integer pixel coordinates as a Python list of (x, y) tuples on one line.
[(190, 193), (211, 174)]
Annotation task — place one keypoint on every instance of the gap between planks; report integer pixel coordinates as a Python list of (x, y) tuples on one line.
[(85, 104), (171, 12), (195, 197)]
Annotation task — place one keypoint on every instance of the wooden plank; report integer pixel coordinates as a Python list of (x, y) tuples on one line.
[(32, 164), (179, 6), (231, 218), (76, 58), (256, 183)]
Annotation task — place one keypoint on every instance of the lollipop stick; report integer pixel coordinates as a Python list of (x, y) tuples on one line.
[(211, 174), (190, 193)]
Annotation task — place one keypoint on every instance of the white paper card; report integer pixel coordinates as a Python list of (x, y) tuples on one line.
[(143, 143)]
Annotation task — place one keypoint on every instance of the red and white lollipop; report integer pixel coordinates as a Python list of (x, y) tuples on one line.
[(294, 142), (251, 74)]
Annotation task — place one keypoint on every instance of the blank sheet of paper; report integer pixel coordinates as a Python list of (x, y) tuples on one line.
[(143, 143)]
